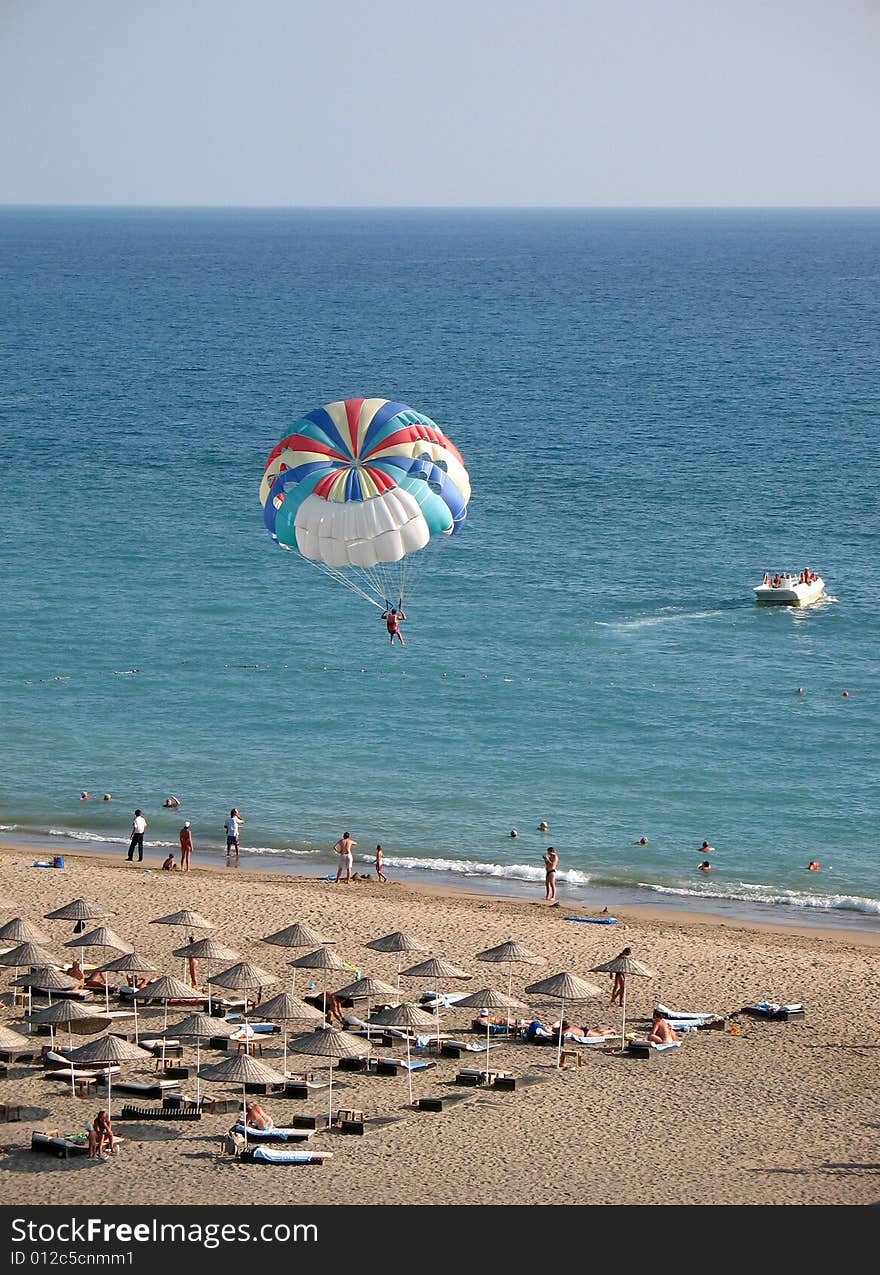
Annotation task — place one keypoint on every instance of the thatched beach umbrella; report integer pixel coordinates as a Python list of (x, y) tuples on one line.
[(130, 963), (297, 934), (12, 1042), (623, 964), (18, 930), (245, 1070), (28, 956), (199, 1027), (568, 987), (78, 910), (436, 969), (75, 1017), (323, 959), (330, 1043), (187, 920), (245, 977), (45, 978), (398, 942), (367, 989), (488, 998), (285, 1009), (104, 937), (211, 951), (509, 953), (108, 1051), (404, 1016), (165, 988)]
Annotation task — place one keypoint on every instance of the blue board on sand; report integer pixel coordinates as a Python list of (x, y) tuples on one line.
[(594, 920)]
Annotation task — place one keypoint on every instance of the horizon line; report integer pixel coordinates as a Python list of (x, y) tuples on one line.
[(744, 207)]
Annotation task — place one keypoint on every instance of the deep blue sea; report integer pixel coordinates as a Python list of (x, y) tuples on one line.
[(654, 407)]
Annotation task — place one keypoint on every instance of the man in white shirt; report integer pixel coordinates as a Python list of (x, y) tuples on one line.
[(138, 828), (232, 825)]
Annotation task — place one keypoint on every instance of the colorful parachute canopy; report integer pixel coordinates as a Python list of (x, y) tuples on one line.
[(361, 484)]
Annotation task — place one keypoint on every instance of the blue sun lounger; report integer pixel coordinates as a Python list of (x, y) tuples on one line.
[(272, 1135), (282, 1155)]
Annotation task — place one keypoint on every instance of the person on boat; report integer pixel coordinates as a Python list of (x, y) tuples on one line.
[(766, 579), (392, 620)]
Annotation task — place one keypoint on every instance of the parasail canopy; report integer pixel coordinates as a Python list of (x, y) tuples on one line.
[(361, 485)]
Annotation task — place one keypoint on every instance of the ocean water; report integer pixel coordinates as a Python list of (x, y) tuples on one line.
[(654, 406)]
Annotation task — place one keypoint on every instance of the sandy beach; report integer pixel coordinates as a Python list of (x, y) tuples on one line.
[(780, 1113)]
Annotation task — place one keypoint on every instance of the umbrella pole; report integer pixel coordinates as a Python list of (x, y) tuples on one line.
[(244, 1117), (106, 1001), (509, 986), (198, 1065), (164, 1030), (623, 1023), (134, 1001), (488, 1030), (293, 984), (559, 1047), (330, 1117), (409, 1071), (368, 1020), (398, 978), (284, 1068), (70, 1063), (109, 1092)]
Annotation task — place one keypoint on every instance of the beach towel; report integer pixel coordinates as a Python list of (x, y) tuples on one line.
[(594, 920), (273, 1135), (281, 1155), (639, 1046)]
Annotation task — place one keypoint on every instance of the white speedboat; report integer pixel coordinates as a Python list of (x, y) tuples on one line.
[(786, 590)]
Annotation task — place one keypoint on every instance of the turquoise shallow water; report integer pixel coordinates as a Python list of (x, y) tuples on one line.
[(655, 407)]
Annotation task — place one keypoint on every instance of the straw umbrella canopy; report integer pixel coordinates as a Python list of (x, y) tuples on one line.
[(398, 942), (28, 956), (568, 987), (18, 930), (243, 1069), (323, 959), (509, 953), (165, 988), (298, 934), (45, 978), (130, 963), (404, 1016), (103, 936), (108, 1051), (285, 1009), (366, 989), (78, 910), (245, 977), (488, 998), (623, 964), (13, 1042), (331, 1043), (73, 1016), (199, 1027), (435, 968), (187, 920), (211, 951)]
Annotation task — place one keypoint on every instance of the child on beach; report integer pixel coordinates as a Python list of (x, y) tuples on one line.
[(380, 863)]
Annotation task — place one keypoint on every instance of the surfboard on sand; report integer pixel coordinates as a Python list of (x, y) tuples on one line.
[(594, 920)]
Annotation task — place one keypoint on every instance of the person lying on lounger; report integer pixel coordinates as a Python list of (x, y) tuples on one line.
[(257, 1118), (662, 1032), (571, 1029)]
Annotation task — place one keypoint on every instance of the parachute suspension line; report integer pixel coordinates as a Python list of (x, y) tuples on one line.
[(335, 574)]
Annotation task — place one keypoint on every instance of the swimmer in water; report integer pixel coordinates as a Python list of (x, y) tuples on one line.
[(84, 796), (543, 826), (642, 841), (513, 833), (705, 866), (392, 620), (813, 865)]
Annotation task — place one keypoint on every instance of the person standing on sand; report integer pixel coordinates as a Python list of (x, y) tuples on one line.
[(344, 848), (619, 980), (380, 863), (138, 828), (551, 863), (232, 826), (186, 846)]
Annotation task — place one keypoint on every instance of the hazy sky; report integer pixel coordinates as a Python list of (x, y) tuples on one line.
[(498, 102)]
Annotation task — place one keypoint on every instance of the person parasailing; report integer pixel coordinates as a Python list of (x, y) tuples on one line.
[(392, 620)]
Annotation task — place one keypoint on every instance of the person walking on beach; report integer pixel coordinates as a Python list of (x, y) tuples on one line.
[(232, 826), (551, 863), (138, 828), (186, 846), (380, 863), (344, 848)]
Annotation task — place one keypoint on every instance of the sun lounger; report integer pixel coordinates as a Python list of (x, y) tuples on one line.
[(282, 1155), (647, 1049), (273, 1135), (495, 1029), (252, 1027), (455, 1048), (59, 1144), (80, 1074), (682, 1021), (147, 1088), (779, 1013), (132, 1112)]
